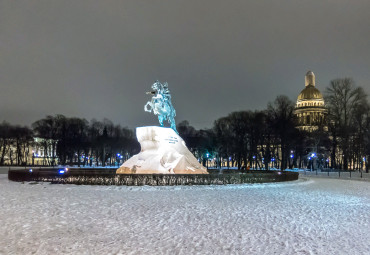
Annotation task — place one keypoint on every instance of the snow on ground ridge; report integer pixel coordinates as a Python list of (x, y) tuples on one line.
[(308, 216)]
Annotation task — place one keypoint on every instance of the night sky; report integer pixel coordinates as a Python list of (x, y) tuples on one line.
[(96, 59)]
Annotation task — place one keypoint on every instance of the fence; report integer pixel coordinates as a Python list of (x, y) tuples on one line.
[(360, 175), (108, 177)]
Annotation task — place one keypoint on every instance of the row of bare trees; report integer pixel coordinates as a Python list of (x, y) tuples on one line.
[(66, 141), (259, 139), (349, 124), (15, 143)]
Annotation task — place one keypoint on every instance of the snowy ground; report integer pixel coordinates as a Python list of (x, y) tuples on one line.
[(308, 216)]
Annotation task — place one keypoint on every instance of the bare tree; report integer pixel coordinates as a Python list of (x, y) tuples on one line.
[(222, 131), (22, 140), (5, 142), (343, 100), (49, 129), (281, 116)]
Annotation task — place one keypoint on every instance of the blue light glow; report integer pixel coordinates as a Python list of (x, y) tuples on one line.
[(30, 170), (61, 171)]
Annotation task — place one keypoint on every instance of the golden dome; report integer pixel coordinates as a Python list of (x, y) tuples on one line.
[(310, 92)]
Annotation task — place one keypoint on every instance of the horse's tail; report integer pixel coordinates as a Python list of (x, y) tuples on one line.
[(173, 111), (171, 118)]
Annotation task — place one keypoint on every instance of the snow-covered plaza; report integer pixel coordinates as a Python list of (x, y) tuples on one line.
[(308, 216)]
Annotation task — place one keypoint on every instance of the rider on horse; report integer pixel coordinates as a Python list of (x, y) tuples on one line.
[(161, 104)]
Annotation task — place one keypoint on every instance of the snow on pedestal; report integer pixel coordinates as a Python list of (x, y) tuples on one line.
[(162, 152)]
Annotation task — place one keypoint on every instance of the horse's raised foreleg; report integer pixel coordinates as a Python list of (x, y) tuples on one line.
[(146, 107)]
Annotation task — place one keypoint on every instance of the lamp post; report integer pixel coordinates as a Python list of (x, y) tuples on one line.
[(313, 156), (292, 160), (207, 160), (118, 159)]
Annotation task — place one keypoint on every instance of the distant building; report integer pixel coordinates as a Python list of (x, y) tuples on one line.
[(43, 152), (37, 152), (310, 108)]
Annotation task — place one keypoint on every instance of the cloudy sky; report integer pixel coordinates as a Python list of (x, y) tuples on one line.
[(96, 59)]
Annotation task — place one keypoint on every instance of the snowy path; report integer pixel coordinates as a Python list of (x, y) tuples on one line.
[(308, 216)]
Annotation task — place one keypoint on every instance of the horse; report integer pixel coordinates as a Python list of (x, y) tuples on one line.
[(161, 104)]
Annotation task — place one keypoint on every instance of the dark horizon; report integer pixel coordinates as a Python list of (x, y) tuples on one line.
[(97, 60)]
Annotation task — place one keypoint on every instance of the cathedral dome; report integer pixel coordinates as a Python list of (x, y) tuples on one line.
[(310, 108), (309, 93)]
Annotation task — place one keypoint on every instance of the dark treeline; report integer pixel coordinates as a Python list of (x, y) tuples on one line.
[(15, 143), (66, 141), (257, 139)]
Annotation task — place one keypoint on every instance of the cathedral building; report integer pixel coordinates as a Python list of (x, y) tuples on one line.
[(310, 108)]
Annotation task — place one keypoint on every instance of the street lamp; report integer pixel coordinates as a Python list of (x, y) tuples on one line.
[(207, 159), (118, 158)]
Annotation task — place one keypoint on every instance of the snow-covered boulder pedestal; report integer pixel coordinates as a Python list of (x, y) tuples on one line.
[(162, 152)]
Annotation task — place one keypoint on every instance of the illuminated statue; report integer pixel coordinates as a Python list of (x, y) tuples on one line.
[(163, 151), (161, 104)]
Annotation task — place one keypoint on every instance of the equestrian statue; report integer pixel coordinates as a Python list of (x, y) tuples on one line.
[(161, 104)]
